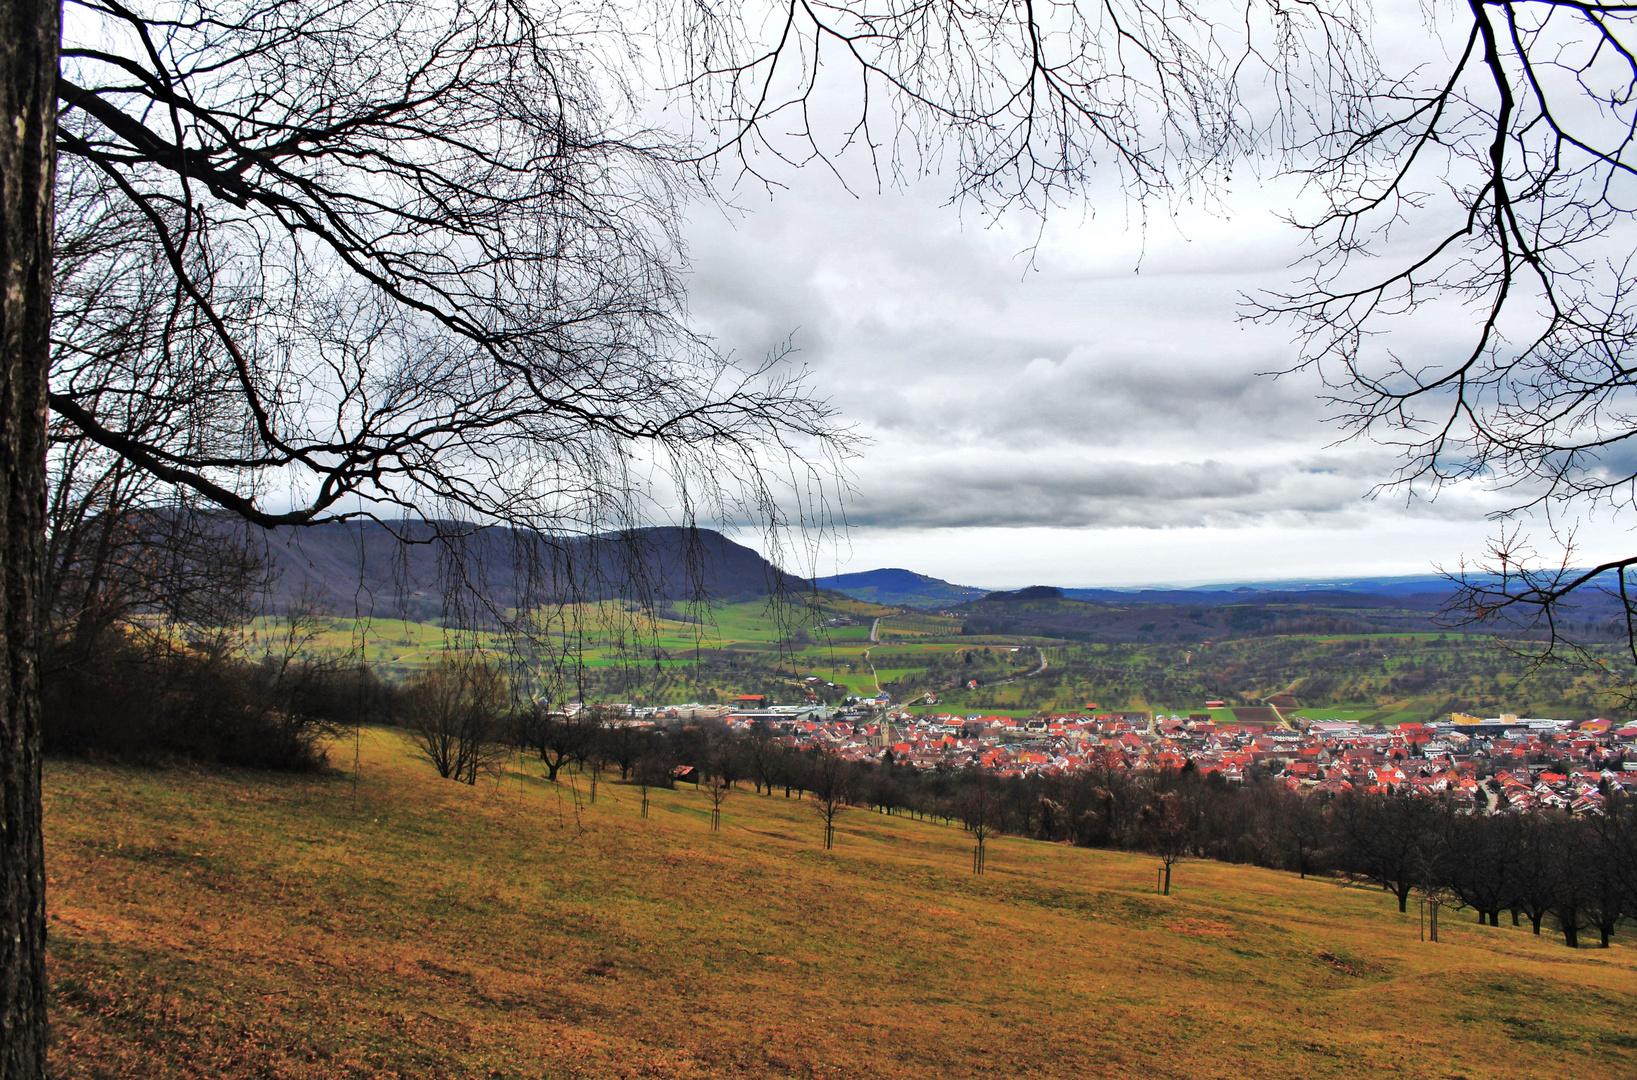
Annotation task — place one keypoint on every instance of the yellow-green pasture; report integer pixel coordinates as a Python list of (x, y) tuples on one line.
[(230, 925)]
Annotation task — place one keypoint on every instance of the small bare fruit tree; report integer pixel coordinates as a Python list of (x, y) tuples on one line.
[(453, 712)]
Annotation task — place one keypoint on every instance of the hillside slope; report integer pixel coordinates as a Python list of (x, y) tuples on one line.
[(364, 568), (235, 925)]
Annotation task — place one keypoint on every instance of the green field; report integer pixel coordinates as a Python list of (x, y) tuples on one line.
[(617, 653), (228, 925)]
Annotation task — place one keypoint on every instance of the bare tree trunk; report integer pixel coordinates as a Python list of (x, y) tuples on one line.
[(29, 34)]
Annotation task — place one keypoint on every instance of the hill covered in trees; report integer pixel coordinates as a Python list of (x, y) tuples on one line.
[(417, 570), (1177, 619), (898, 587)]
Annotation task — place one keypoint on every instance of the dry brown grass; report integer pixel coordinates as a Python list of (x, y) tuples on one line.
[(240, 925)]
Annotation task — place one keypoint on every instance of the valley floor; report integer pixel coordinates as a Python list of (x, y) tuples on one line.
[(222, 924)]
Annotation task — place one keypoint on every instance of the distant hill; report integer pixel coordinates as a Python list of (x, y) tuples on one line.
[(1427, 597), (1181, 616), (900, 588), (1239, 593), (423, 571), (1033, 592), (1135, 617), (907, 588)]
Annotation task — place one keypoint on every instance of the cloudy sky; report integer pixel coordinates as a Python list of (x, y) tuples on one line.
[(1095, 416)]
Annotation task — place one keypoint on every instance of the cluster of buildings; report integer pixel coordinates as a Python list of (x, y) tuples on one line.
[(1498, 763)]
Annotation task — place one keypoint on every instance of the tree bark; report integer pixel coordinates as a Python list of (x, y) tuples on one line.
[(29, 40)]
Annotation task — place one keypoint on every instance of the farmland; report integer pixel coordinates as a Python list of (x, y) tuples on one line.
[(237, 924), (610, 651)]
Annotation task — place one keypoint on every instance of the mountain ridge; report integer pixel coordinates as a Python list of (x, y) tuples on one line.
[(425, 571)]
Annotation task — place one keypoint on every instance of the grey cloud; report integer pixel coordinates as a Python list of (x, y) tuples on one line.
[(1114, 397), (1077, 398), (1063, 490), (963, 491), (912, 326)]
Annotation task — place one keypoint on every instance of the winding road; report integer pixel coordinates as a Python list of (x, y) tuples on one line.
[(875, 639), (1029, 674)]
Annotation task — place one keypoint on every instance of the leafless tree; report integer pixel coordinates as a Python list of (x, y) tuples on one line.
[(557, 738), (979, 808), (388, 259), (291, 650), (651, 771), (1168, 826), (623, 746), (1574, 892), (1389, 839), (586, 753), (111, 552), (1027, 100), (374, 257), (118, 547), (761, 755), (1480, 869), (1485, 192), (717, 789), (452, 712), (830, 781), (1300, 829)]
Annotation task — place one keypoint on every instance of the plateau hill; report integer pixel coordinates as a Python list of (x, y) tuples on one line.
[(413, 571)]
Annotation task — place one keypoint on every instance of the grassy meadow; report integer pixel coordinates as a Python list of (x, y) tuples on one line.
[(388, 923)]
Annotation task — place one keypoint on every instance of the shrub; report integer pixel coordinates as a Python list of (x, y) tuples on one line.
[(152, 701)]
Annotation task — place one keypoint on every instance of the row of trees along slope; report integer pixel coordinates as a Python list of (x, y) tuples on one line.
[(1581, 871), (318, 261)]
